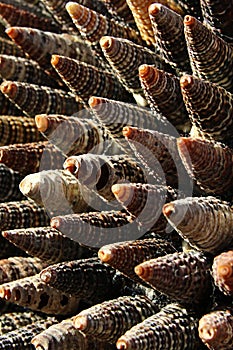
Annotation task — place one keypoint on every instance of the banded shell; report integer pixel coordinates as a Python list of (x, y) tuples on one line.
[(47, 243), (222, 272)]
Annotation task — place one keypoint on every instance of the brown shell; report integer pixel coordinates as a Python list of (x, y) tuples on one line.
[(210, 56), (216, 329), (124, 256), (34, 294), (222, 272), (47, 243), (35, 99), (168, 31), (184, 277), (21, 214), (31, 157), (205, 222), (95, 229), (16, 129), (174, 327), (105, 321)]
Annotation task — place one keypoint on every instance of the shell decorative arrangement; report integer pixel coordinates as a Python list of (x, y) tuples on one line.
[(116, 175)]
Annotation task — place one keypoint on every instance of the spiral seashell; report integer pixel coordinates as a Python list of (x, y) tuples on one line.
[(104, 321), (23, 69), (209, 106), (97, 228), (7, 107), (124, 256), (215, 329), (173, 328), (145, 202), (162, 91), (31, 157), (21, 214), (14, 16), (115, 115), (210, 56), (32, 293), (222, 272), (85, 80), (184, 277), (47, 243), (200, 157), (73, 278), (86, 19), (168, 31), (34, 99), (16, 129), (125, 57), (205, 222)]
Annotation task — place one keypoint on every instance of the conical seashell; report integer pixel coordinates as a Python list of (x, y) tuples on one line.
[(8, 47), (162, 91), (145, 202), (7, 107), (222, 272), (100, 172), (31, 157), (104, 321), (15, 320), (182, 276), (32, 293), (61, 336), (218, 15), (158, 152), (124, 256), (95, 229), (142, 19), (125, 57), (169, 36), (40, 45), (205, 222), (173, 328), (88, 279), (85, 80), (58, 9), (74, 135), (14, 16), (20, 339), (210, 56), (57, 190), (200, 157), (15, 268), (34, 99), (16, 129), (9, 184), (93, 25), (209, 106), (120, 10), (47, 243), (114, 115), (216, 329), (23, 69), (22, 214)]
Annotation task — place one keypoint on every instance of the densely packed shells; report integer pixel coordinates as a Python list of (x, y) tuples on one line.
[(116, 172)]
